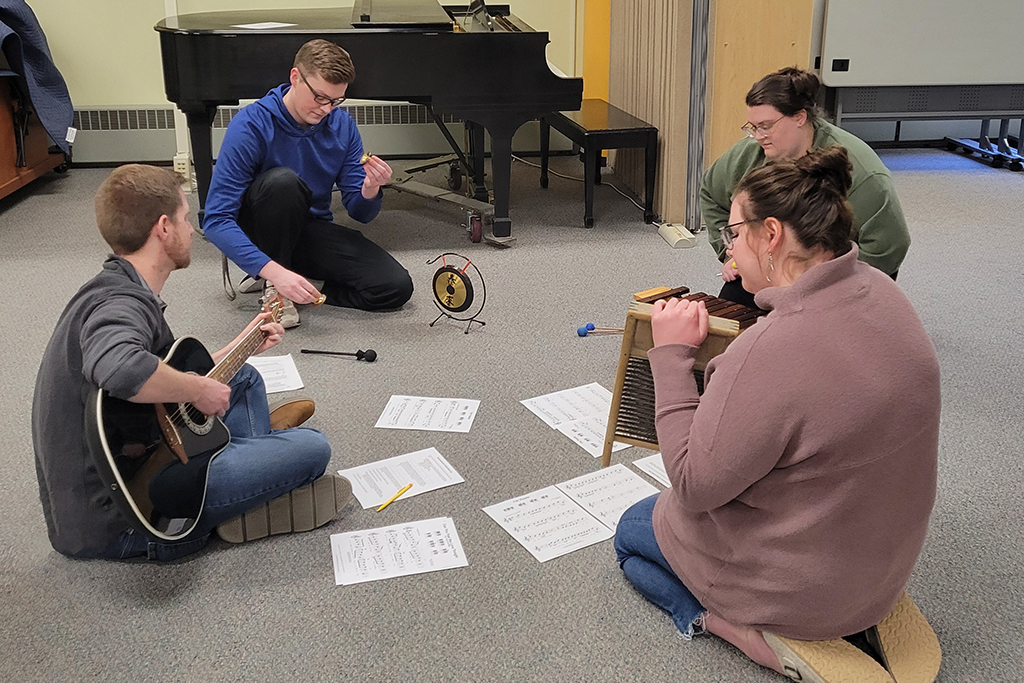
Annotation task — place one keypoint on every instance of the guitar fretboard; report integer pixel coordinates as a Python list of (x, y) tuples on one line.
[(226, 369)]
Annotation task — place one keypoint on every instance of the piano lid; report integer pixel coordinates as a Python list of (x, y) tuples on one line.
[(401, 15)]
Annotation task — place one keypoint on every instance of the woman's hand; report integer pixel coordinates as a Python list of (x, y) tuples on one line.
[(678, 321), (729, 272)]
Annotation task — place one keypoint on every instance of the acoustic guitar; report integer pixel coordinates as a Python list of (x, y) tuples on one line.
[(154, 458)]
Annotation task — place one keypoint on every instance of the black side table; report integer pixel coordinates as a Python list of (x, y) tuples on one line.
[(595, 127)]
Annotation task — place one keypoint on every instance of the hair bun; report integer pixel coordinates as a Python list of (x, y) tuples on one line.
[(830, 166), (804, 83)]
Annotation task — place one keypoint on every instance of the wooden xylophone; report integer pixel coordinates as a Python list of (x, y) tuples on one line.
[(631, 419)]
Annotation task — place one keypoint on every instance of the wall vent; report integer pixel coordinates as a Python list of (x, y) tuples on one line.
[(163, 119)]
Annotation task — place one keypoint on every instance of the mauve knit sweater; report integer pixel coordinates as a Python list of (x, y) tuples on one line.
[(803, 478)]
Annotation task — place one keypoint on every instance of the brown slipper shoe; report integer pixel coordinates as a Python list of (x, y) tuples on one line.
[(291, 412), (825, 661), (910, 646)]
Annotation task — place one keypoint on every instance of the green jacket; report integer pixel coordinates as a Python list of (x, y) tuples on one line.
[(879, 226)]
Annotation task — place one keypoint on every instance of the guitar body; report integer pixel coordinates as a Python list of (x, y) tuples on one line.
[(135, 444)]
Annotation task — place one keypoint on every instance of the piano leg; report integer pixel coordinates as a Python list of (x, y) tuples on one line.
[(476, 155), (200, 118), (501, 176)]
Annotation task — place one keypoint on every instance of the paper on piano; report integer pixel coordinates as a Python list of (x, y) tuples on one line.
[(263, 25), (654, 466), (574, 514), (398, 550), (278, 372), (427, 470)]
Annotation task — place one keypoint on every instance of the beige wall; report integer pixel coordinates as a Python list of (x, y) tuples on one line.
[(109, 53)]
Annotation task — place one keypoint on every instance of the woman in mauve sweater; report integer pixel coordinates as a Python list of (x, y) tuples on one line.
[(804, 476)]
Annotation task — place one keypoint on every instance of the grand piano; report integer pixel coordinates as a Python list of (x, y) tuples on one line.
[(478, 63)]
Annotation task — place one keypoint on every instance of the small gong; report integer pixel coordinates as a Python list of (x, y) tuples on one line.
[(452, 289)]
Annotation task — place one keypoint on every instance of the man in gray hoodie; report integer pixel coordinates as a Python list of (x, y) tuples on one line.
[(112, 335)]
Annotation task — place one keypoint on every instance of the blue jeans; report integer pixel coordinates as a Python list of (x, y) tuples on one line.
[(647, 569), (258, 465)]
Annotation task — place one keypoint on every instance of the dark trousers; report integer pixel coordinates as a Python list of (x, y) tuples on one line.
[(356, 272), (733, 291)]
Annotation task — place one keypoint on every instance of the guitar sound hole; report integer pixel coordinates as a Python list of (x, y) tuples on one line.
[(194, 419)]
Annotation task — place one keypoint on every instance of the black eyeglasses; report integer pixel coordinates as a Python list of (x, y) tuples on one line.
[(728, 235), (320, 98)]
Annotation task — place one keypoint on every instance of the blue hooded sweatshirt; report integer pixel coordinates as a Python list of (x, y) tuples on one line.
[(263, 136)]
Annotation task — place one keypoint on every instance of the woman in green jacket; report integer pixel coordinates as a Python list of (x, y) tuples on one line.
[(783, 123)]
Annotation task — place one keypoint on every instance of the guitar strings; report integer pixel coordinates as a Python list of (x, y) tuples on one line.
[(253, 340)]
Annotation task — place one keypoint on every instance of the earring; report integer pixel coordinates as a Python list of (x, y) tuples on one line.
[(771, 267)]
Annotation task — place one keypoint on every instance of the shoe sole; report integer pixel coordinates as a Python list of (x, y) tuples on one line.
[(302, 509), (910, 645), (825, 661), (248, 285)]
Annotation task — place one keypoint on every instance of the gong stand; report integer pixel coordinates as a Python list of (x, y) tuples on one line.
[(454, 293)]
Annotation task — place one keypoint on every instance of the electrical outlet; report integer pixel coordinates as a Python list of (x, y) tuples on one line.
[(183, 169), (677, 236)]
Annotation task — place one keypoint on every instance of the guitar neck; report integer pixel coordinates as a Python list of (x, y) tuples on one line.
[(230, 364)]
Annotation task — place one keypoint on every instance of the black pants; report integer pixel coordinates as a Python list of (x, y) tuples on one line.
[(733, 291), (356, 272)]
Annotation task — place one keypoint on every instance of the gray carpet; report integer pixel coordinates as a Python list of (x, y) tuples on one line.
[(270, 611)]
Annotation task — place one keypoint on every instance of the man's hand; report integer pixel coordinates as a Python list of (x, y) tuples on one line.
[(289, 284), (273, 330), (211, 396), (729, 272), (678, 321), (378, 173)]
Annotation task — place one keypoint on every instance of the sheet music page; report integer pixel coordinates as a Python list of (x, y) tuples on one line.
[(374, 483), (607, 493), (569, 405), (428, 414), (548, 523), (398, 550), (654, 466), (278, 372), (589, 434), (263, 25)]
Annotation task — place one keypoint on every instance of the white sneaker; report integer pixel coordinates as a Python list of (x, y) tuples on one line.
[(250, 284), (289, 313)]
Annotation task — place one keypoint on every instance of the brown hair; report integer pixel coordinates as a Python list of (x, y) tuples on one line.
[(327, 59), (789, 90), (130, 202), (808, 194)]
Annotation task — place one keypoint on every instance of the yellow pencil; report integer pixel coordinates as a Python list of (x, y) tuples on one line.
[(395, 497)]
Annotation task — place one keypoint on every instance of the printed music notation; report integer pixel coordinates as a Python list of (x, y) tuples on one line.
[(375, 482), (548, 523), (607, 493), (278, 372), (400, 550), (654, 466), (574, 514), (580, 413), (570, 405), (428, 414)]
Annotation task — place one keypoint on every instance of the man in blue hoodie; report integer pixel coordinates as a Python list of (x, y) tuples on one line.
[(269, 204)]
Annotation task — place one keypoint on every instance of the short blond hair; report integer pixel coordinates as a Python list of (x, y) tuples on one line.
[(327, 59), (131, 201)]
